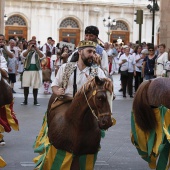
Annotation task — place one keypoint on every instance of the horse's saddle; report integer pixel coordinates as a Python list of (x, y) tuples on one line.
[(59, 100)]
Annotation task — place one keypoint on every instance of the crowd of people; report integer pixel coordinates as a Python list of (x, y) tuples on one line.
[(134, 62)]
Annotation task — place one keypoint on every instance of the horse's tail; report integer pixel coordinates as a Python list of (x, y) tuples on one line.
[(143, 112)]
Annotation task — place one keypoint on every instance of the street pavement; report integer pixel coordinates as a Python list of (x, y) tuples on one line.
[(117, 152)]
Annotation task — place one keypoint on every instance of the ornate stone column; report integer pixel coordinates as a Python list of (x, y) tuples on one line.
[(165, 23), (2, 8)]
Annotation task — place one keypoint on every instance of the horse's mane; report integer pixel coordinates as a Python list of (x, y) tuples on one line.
[(108, 86)]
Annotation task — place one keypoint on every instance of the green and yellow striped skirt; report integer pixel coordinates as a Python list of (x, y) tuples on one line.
[(51, 158)]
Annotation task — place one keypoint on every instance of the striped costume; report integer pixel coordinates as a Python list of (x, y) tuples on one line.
[(51, 158), (154, 147), (7, 121)]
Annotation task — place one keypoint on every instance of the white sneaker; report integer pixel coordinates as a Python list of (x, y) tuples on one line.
[(2, 143)]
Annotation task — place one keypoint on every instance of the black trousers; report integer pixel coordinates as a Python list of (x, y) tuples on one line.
[(138, 80), (26, 92), (127, 82)]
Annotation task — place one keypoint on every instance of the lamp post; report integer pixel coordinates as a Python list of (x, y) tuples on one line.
[(109, 25), (5, 17), (153, 8)]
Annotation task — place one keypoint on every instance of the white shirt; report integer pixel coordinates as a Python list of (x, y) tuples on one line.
[(81, 78), (104, 62), (139, 63), (12, 64), (16, 49), (109, 52), (127, 65), (33, 57), (3, 63), (161, 60), (44, 49), (1, 51)]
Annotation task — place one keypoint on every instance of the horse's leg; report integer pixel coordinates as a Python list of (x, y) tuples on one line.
[(75, 163)]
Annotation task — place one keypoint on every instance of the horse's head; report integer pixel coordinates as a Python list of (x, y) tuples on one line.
[(98, 95)]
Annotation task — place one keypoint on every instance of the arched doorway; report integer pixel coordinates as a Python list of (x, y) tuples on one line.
[(69, 31), (120, 30), (15, 26)]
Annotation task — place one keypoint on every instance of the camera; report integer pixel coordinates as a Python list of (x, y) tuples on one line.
[(1, 46), (33, 46)]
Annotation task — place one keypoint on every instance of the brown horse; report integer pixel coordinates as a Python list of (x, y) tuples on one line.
[(6, 95), (75, 126), (150, 94)]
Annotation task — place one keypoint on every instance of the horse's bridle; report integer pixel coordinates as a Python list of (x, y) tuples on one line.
[(87, 100)]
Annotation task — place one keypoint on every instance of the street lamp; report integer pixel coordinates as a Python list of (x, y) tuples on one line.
[(5, 17), (109, 25), (153, 8)]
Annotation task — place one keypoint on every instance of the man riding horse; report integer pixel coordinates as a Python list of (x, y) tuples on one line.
[(70, 78)]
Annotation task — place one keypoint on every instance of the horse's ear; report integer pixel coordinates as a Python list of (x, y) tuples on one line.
[(98, 81)]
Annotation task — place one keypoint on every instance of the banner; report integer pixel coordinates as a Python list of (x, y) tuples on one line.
[(69, 45)]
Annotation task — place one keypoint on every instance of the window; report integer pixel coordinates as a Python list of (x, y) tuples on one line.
[(120, 26), (15, 20), (69, 23)]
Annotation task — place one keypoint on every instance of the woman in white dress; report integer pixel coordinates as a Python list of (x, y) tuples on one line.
[(161, 61)]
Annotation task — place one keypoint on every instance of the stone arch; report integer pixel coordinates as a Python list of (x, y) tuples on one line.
[(120, 30), (69, 23), (69, 30), (120, 26), (16, 25), (16, 20)]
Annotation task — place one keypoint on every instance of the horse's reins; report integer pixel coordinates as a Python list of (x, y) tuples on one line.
[(93, 112)]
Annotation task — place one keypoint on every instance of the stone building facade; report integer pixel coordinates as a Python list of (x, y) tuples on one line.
[(66, 20), (165, 23)]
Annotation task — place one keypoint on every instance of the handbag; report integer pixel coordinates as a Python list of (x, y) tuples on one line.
[(124, 73)]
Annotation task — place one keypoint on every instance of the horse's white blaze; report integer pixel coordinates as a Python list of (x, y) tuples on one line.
[(109, 99)]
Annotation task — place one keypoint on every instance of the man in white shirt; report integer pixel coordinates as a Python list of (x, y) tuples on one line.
[(47, 46), (3, 66), (12, 46), (91, 34), (86, 52), (127, 71), (3, 49), (31, 75)]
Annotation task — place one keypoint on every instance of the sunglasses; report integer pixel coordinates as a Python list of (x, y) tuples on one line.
[(151, 50)]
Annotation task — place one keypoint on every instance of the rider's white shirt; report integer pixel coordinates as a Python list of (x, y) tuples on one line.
[(80, 79), (3, 63)]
